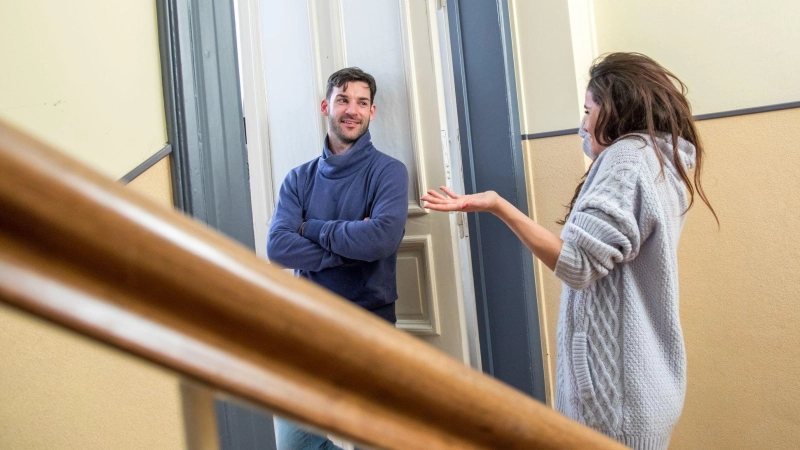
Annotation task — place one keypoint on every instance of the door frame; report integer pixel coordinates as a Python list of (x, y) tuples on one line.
[(459, 226), (491, 148)]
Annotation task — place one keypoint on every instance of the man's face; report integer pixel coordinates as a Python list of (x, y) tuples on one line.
[(349, 111)]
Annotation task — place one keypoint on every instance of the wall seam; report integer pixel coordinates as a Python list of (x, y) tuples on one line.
[(147, 164), (709, 116)]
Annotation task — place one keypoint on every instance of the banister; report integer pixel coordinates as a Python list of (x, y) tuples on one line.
[(83, 252)]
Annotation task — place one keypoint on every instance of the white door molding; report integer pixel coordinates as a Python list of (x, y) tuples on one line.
[(254, 108)]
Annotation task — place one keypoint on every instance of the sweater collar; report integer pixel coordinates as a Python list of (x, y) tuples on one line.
[(686, 151), (338, 166)]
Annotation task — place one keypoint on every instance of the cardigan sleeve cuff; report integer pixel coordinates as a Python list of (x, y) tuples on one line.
[(313, 229), (588, 251), (568, 266)]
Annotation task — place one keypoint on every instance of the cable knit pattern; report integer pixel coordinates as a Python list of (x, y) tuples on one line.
[(603, 355), (621, 361)]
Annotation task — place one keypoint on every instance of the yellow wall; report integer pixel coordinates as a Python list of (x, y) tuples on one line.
[(85, 76), (732, 54)]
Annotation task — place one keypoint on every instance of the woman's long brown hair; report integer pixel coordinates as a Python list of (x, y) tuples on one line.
[(637, 95)]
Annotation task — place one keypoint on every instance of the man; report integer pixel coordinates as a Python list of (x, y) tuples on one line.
[(340, 217)]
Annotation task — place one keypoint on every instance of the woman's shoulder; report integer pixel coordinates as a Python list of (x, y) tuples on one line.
[(631, 149), (627, 154)]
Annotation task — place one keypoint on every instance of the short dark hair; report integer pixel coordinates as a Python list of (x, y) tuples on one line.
[(348, 74)]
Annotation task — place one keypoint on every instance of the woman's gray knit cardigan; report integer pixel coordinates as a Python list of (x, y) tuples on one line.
[(621, 360)]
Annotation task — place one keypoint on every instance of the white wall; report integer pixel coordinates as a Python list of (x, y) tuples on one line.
[(543, 56), (732, 54)]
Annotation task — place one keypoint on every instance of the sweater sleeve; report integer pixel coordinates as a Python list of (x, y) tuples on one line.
[(604, 228), (285, 246), (376, 238)]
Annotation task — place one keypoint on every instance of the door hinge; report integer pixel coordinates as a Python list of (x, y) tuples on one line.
[(448, 175), (463, 226)]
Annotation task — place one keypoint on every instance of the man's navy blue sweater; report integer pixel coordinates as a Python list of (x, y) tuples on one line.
[(338, 249)]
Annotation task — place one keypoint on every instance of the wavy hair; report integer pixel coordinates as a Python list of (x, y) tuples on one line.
[(637, 95)]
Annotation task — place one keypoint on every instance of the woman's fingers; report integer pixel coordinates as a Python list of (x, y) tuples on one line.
[(482, 201), (438, 202), (449, 193), (436, 195), (442, 207), (444, 189)]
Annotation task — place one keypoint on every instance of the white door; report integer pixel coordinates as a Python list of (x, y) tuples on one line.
[(403, 44)]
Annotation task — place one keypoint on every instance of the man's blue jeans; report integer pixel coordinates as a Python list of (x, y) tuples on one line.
[(289, 436)]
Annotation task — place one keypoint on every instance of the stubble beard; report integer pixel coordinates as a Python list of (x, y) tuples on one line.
[(336, 129)]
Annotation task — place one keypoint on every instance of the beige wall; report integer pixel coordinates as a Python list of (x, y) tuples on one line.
[(554, 168), (60, 390), (739, 289), (155, 183), (85, 76)]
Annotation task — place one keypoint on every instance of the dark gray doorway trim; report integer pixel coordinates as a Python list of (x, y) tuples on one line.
[(209, 166), (166, 13), (204, 114), (491, 148)]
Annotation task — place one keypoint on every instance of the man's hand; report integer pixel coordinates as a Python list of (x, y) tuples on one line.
[(482, 201)]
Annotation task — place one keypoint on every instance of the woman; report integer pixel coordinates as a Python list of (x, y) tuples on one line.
[(621, 361)]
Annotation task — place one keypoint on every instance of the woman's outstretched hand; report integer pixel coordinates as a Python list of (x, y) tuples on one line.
[(544, 244), (482, 201)]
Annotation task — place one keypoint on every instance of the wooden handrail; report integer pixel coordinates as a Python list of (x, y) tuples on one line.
[(84, 252)]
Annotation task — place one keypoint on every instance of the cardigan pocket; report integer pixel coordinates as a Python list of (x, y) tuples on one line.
[(584, 378), (580, 364)]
